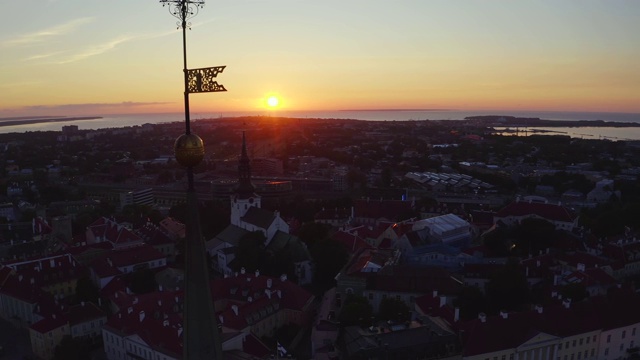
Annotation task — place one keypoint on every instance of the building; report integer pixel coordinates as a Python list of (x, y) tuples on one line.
[(558, 215)]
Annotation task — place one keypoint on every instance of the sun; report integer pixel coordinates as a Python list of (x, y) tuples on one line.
[(273, 101)]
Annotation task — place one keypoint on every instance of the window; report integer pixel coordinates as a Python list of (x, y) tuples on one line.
[(588, 338), (504, 357), (606, 351), (633, 332), (370, 296), (624, 333), (608, 338), (579, 356), (621, 346), (593, 352), (594, 338), (574, 343), (580, 341), (560, 346)]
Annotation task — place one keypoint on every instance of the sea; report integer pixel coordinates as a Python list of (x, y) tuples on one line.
[(123, 120)]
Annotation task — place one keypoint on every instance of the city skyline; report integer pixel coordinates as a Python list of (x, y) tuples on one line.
[(63, 58)]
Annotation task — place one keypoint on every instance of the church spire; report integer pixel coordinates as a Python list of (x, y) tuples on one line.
[(245, 188)]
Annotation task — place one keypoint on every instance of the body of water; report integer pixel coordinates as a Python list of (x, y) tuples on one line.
[(114, 121)]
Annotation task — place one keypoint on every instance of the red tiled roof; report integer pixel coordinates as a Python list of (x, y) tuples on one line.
[(551, 212), (109, 264), (173, 227), (49, 323), (351, 242), (332, 214), (408, 279), (254, 347), (47, 271), (83, 312), (377, 209), (153, 235), (111, 231), (497, 333)]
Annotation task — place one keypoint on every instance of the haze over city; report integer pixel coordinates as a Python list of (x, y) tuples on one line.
[(86, 58)]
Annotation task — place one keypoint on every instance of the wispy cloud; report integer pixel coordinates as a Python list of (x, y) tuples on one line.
[(49, 33), (123, 104), (97, 49), (43, 56)]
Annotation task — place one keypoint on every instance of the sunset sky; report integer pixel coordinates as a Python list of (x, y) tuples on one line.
[(75, 57)]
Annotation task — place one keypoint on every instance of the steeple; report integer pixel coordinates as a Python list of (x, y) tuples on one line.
[(245, 189)]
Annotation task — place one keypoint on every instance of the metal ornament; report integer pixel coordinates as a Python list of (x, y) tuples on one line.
[(202, 80)]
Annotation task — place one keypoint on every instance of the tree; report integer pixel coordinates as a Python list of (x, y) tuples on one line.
[(311, 233), (471, 302), (143, 281), (394, 310), (508, 288), (251, 253), (329, 256), (355, 311), (86, 291), (575, 292), (71, 349)]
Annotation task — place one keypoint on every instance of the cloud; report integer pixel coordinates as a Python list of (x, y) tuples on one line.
[(97, 49), (123, 104), (42, 56), (49, 33)]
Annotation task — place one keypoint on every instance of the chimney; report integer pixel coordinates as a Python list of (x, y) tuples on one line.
[(566, 303), (52, 263), (165, 323), (435, 293), (538, 263), (539, 309), (280, 294), (443, 300), (81, 303), (159, 302), (20, 277), (221, 319), (135, 300), (32, 281), (242, 271), (141, 315), (257, 273), (129, 310), (283, 277), (235, 309), (456, 314), (554, 294), (504, 314), (482, 316), (179, 331), (581, 267), (268, 293), (269, 283)]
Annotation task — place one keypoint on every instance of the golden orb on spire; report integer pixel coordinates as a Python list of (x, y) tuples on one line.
[(189, 150)]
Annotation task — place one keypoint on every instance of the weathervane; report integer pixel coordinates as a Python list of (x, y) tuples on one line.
[(201, 337)]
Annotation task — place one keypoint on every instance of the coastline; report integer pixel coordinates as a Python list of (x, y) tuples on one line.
[(45, 119)]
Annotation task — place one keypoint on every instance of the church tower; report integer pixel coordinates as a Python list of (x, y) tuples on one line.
[(244, 196)]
